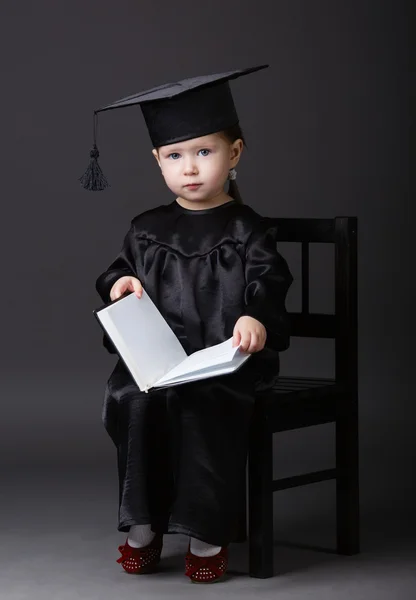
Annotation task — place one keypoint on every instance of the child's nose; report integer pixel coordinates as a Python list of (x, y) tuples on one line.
[(190, 168)]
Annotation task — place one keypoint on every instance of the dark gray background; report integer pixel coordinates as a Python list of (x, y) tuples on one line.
[(326, 127)]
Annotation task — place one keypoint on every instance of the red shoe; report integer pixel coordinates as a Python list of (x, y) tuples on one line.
[(141, 560), (206, 569)]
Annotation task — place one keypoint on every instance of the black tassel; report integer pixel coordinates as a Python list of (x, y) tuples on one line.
[(93, 178)]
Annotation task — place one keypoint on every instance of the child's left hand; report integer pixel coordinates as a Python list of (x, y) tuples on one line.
[(249, 334)]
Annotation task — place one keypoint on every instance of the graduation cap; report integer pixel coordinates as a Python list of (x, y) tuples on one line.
[(175, 112)]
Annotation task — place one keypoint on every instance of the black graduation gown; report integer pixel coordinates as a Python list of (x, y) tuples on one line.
[(182, 451)]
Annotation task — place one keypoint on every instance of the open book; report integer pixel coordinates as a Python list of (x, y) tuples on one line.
[(152, 352)]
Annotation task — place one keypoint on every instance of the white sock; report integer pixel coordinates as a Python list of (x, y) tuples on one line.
[(200, 548), (140, 536)]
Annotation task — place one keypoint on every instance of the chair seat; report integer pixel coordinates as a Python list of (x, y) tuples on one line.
[(298, 384), (295, 402)]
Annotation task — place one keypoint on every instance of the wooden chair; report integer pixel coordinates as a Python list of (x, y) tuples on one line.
[(298, 402)]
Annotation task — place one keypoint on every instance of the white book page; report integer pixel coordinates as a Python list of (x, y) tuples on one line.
[(220, 354), (143, 338), (230, 367)]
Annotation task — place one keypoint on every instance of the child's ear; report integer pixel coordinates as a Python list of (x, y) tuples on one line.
[(156, 155), (236, 149)]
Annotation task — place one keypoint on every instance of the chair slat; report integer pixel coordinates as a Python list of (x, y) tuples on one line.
[(304, 230), (297, 480)]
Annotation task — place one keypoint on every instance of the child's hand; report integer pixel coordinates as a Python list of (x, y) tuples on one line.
[(250, 334), (124, 284)]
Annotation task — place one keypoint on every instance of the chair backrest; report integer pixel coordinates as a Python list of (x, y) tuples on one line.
[(342, 325)]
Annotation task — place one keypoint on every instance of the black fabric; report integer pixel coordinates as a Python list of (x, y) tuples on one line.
[(186, 109), (182, 451), (200, 112), (206, 268)]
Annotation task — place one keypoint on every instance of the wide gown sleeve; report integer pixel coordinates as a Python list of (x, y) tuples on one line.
[(268, 280), (124, 264)]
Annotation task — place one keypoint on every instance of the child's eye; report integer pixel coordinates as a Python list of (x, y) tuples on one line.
[(205, 151), (174, 155)]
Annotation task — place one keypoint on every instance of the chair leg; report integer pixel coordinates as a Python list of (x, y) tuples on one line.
[(348, 528), (260, 502)]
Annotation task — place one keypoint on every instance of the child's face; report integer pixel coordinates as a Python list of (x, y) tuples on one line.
[(204, 161)]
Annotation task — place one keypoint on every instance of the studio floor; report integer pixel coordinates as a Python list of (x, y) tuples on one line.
[(58, 542)]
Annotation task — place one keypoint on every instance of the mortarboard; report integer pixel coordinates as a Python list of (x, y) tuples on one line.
[(175, 112)]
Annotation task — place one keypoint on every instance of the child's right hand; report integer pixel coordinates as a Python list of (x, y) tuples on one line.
[(124, 284)]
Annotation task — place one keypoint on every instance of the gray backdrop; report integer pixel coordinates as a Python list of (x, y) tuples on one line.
[(326, 130)]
